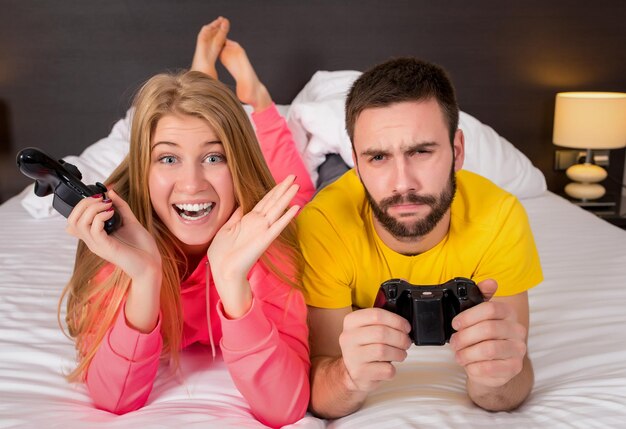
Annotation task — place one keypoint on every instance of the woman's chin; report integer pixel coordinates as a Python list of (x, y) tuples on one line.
[(194, 247)]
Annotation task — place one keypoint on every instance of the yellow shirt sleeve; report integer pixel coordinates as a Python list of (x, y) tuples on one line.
[(511, 258)]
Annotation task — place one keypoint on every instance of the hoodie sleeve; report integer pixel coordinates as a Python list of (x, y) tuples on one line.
[(267, 351), (280, 152), (121, 374)]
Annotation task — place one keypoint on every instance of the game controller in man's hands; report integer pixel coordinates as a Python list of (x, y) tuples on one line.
[(62, 178), (429, 309)]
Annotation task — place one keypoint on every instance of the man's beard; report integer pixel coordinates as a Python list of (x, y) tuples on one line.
[(439, 206)]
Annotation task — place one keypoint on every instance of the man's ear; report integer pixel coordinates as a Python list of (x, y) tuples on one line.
[(459, 149)]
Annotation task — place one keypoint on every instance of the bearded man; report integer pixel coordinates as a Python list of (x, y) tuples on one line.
[(408, 211)]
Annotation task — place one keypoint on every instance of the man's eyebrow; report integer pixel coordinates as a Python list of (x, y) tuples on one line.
[(374, 152), (418, 146), (405, 148)]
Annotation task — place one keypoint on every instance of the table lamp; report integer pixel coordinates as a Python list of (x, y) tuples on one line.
[(589, 120)]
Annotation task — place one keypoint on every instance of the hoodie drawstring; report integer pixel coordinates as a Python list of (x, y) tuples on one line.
[(208, 308)]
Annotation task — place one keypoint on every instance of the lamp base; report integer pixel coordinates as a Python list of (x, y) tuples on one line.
[(585, 191), (585, 176)]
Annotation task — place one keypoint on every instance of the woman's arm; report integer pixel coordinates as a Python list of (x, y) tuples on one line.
[(121, 374), (280, 152), (267, 351), (264, 329)]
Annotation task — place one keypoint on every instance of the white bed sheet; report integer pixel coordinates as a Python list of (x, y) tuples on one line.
[(577, 344)]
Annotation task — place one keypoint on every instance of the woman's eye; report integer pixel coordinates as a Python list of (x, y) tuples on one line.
[(167, 159), (214, 158)]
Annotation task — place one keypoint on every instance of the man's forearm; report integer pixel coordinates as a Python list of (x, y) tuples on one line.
[(507, 397), (331, 394)]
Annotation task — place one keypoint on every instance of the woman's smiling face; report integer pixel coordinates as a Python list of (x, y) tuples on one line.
[(191, 187)]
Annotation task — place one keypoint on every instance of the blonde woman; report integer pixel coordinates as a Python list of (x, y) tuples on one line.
[(206, 253)]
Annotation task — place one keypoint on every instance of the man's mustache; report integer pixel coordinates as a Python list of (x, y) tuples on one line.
[(407, 199)]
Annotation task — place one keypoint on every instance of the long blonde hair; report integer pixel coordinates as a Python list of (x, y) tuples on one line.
[(93, 304)]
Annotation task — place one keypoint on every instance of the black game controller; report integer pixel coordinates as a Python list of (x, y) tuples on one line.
[(63, 179), (429, 309)]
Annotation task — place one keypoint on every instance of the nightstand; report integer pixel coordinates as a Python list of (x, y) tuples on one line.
[(607, 209)]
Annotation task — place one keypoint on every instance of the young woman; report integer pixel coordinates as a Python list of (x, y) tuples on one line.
[(206, 252)]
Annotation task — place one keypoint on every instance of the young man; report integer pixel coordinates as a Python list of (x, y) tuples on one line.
[(406, 211)]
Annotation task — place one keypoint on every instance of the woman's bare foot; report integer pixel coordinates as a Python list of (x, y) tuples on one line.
[(249, 88), (210, 42)]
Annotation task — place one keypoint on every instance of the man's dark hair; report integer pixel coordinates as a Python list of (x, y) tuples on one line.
[(398, 80)]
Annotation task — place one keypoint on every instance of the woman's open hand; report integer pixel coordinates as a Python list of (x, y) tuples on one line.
[(243, 239)]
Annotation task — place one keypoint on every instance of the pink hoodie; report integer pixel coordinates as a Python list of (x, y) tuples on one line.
[(266, 350)]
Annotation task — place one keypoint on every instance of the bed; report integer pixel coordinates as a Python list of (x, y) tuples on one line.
[(577, 337)]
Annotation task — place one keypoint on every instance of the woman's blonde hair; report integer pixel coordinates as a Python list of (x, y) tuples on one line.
[(93, 304)]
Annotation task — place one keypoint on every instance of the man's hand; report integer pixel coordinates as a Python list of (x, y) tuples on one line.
[(351, 353), (490, 343), (372, 338)]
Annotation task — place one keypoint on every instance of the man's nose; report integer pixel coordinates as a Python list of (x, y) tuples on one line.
[(404, 177)]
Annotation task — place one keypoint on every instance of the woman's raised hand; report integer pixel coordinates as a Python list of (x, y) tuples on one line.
[(243, 239)]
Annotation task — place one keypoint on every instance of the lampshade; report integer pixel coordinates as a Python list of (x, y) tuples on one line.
[(590, 120)]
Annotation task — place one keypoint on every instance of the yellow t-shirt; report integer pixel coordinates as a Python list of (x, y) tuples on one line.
[(346, 261)]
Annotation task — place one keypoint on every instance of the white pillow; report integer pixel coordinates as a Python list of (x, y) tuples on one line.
[(494, 157), (317, 120)]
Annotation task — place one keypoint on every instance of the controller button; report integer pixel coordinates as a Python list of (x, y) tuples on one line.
[(393, 292), (462, 292)]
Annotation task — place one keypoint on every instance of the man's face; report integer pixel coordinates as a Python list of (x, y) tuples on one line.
[(407, 164)]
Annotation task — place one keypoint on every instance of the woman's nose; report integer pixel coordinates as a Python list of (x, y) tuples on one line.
[(192, 180)]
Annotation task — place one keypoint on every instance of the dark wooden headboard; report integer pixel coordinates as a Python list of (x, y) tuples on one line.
[(68, 69)]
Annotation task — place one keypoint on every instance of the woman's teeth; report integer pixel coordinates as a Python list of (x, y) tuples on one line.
[(193, 211)]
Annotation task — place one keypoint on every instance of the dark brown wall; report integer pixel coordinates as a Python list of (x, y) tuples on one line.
[(68, 68)]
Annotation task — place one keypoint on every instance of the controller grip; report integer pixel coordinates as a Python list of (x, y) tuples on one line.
[(42, 188)]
